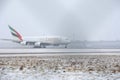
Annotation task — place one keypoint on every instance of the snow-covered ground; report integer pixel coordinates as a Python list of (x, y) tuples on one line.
[(89, 67)]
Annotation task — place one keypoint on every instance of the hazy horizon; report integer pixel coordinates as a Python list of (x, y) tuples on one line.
[(93, 20)]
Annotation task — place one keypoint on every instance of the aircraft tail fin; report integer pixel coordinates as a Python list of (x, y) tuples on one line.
[(15, 33)]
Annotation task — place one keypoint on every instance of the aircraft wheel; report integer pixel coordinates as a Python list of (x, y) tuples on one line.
[(65, 46), (37, 46), (44, 46)]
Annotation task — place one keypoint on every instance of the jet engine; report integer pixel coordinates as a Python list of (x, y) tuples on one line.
[(37, 44), (23, 43)]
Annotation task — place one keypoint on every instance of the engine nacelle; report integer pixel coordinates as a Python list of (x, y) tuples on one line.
[(37, 44), (23, 43)]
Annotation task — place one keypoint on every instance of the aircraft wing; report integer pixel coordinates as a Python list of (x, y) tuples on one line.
[(11, 40)]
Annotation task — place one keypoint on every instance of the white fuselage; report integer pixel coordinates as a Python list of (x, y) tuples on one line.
[(46, 40)]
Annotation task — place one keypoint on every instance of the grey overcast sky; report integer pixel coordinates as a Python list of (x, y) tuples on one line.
[(79, 19)]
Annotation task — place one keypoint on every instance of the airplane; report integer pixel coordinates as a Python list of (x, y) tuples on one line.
[(38, 42)]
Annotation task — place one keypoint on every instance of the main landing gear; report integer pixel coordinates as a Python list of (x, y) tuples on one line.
[(65, 46)]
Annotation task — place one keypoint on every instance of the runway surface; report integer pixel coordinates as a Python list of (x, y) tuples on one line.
[(50, 52)]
